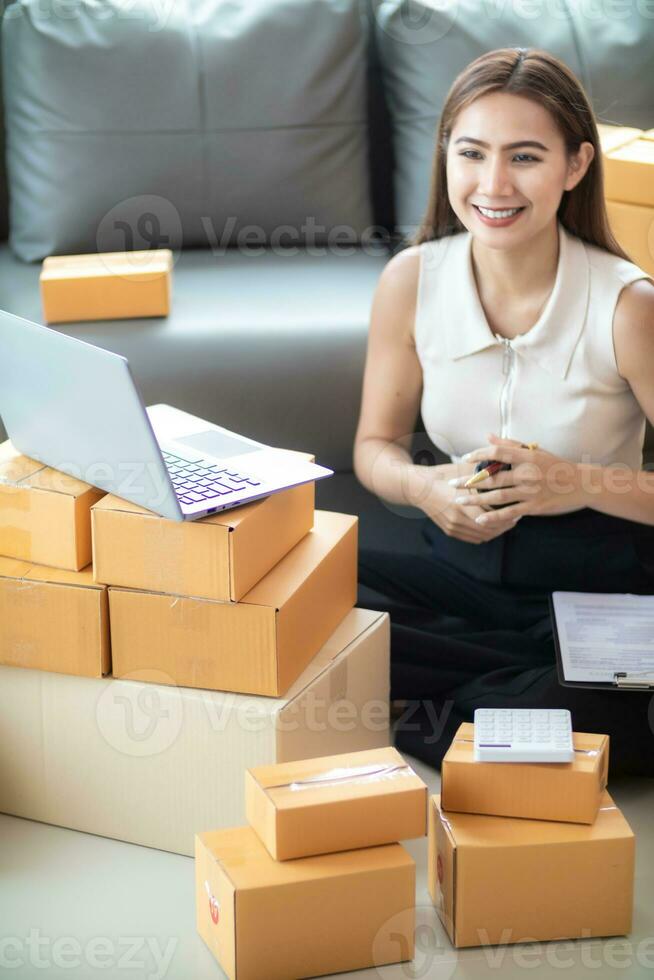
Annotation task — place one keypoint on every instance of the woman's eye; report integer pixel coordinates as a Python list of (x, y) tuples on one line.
[(526, 157)]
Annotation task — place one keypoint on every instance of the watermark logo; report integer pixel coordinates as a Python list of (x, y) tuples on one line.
[(140, 718), (416, 21), (418, 943)]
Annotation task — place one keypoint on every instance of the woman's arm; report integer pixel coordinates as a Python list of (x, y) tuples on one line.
[(619, 491), (392, 387)]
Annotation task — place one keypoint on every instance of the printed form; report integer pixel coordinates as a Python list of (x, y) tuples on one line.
[(601, 634)]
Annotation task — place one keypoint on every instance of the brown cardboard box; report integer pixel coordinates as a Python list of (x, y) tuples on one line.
[(218, 557), (44, 514), (611, 137), (106, 286), (259, 645), (507, 880), (633, 227), (271, 920), (568, 791), (178, 754), (629, 173), (335, 803), (53, 619)]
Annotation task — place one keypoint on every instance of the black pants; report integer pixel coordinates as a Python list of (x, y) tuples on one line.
[(470, 627)]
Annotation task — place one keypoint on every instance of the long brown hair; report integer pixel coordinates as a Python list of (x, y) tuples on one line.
[(539, 76)]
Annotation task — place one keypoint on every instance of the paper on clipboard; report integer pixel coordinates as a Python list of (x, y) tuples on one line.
[(601, 634)]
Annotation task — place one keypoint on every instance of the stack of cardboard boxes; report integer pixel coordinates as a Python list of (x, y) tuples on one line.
[(520, 852), (185, 654), (628, 158), (317, 883)]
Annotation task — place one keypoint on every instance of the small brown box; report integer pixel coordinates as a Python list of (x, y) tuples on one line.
[(53, 619), (45, 515), (106, 285), (221, 556), (506, 880), (569, 791), (270, 920), (335, 803)]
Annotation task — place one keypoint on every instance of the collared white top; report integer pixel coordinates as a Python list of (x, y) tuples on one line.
[(557, 384)]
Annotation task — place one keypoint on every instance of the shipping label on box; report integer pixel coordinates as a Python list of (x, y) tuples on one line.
[(335, 803), (221, 556), (53, 620), (270, 920), (179, 755), (539, 790), (510, 880), (259, 645), (106, 285), (44, 513)]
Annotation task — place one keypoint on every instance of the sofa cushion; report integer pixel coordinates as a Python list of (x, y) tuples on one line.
[(184, 123), (424, 46)]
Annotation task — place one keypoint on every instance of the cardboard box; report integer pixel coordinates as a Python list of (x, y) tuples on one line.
[(568, 791), (53, 620), (268, 920), (633, 227), (506, 880), (45, 515), (611, 137), (335, 803), (153, 764), (106, 285), (259, 645), (218, 557), (629, 173)]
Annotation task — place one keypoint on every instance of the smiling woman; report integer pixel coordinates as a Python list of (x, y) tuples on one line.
[(512, 318)]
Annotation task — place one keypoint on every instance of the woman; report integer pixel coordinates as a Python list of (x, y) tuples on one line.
[(513, 318)]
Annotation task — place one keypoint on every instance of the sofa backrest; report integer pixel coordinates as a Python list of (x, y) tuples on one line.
[(187, 124)]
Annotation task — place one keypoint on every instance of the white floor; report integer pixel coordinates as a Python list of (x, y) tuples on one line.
[(74, 905)]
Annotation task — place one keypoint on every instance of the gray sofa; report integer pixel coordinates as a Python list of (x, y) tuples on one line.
[(282, 150)]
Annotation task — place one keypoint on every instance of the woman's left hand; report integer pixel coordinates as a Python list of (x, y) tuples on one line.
[(538, 482)]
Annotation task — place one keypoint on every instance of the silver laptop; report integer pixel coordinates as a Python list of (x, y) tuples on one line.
[(75, 407)]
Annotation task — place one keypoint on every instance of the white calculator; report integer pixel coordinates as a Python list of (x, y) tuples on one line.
[(523, 735)]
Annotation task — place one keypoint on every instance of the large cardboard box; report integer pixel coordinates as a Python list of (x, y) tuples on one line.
[(335, 803), (106, 286), (270, 920), (259, 645), (539, 790), (44, 514), (153, 764), (508, 880), (629, 173), (218, 557), (633, 227), (53, 620)]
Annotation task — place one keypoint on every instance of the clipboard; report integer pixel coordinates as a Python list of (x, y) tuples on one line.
[(622, 680)]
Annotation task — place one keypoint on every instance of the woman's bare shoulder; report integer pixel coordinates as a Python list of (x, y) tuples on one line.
[(402, 272)]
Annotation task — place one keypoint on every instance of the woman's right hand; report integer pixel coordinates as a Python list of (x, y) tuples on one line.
[(453, 519)]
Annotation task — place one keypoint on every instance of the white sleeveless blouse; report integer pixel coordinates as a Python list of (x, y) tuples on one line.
[(557, 385)]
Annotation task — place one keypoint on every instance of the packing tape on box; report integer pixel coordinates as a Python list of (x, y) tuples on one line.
[(191, 615), (574, 749), (348, 776)]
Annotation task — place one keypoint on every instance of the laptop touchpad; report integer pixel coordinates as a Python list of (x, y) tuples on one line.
[(217, 443)]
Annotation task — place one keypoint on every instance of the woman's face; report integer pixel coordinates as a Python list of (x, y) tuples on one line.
[(484, 171)]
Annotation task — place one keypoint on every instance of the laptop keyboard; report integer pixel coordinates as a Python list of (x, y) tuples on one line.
[(196, 482)]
